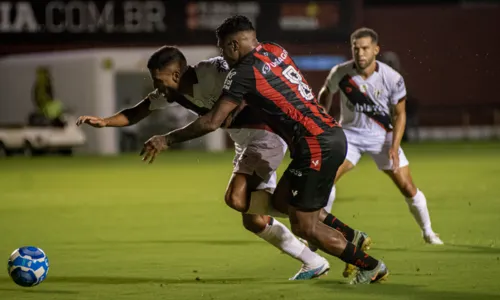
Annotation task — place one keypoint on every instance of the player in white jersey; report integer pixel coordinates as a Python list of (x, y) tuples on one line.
[(372, 103), (258, 150)]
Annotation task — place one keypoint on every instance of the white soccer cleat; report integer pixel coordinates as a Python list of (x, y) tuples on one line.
[(433, 239), (310, 271)]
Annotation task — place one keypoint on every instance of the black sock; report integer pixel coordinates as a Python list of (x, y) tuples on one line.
[(358, 257), (335, 223)]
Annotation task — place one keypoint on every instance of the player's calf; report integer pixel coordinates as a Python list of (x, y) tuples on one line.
[(417, 203), (332, 221), (303, 227), (255, 223), (331, 241), (403, 180)]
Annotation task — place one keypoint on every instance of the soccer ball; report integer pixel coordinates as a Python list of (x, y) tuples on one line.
[(28, 266)]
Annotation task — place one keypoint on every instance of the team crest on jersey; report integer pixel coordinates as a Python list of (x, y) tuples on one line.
[(221, 66), (400, 82), (265, 69)]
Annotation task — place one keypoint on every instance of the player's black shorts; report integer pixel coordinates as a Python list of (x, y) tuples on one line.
[(314, 167)]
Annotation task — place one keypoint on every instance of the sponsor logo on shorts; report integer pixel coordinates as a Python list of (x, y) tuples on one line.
[(295, 172)]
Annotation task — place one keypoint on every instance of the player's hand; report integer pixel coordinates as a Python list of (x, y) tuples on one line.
[(153, 147), (394, 157), (92, 121)]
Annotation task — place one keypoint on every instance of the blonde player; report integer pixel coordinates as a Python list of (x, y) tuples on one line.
[(373, 98)]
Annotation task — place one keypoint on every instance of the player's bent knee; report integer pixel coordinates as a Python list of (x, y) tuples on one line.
[(236, 201)]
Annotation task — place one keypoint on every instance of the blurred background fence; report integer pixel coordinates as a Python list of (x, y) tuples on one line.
[(89, 57)]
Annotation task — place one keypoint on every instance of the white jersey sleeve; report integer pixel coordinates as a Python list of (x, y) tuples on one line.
[(212, 66), (211, 74), (332, 80), (398, 88)]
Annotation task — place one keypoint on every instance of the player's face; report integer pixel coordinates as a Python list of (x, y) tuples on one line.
[(166, 80), (364, 51), (229, 50)]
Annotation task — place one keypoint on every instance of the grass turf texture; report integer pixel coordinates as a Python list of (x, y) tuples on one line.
[(114, 228)]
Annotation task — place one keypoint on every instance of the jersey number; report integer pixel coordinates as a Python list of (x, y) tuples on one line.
[(294, 77)]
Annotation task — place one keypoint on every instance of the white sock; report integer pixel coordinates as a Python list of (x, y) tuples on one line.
[(282, 238), (331, 198), (418, 208)]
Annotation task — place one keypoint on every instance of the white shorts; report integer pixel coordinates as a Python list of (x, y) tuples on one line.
[(377, 146), (258, 151)]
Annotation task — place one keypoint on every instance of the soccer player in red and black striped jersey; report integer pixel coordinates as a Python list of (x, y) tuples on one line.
[(266, 78)]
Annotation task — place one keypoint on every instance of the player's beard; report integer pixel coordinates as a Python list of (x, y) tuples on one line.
[(367, 63)]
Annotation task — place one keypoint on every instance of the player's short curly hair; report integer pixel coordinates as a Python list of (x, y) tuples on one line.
[(364, 32), (165, 56), (233, 25)]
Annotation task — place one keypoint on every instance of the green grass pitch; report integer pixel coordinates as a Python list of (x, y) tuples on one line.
[(115, 228)]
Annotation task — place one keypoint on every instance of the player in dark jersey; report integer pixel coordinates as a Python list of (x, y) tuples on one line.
[(266, 77)]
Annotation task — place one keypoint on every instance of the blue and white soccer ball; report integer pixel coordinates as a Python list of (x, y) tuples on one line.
[(28, 266)]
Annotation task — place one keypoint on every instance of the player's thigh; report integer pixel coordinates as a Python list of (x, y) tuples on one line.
[(239, 188), (354, 152), (311, 182), (380, 153), (282, 194), (403, 180), (255, 165), (261, 153)]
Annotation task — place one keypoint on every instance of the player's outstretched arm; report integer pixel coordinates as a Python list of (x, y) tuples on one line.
[(204, 124), (126, 117)]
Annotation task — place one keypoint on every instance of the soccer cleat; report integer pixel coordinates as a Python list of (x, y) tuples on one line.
[(380, 273), (361, 241), (433, 239), (312, 271)]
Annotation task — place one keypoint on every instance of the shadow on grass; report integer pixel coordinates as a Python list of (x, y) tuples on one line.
[(387, 289), (402, 290), (35, 290), (115, 280), (448, 248)]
